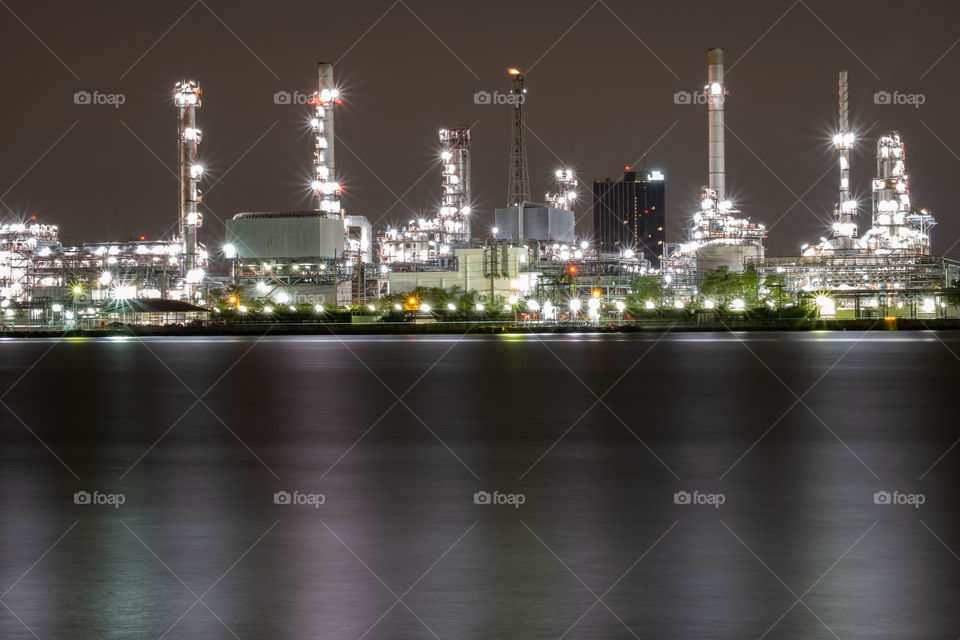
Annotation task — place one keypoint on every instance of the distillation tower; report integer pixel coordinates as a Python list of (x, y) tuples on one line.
[(454, 213), (518, 184), (186, 97), (717, 236), (565, 184), (845, 213), (896, 228)]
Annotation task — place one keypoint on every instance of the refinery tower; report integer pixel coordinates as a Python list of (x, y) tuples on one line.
[(717, 235), (186, 97)]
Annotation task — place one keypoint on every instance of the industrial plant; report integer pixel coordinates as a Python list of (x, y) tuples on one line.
[(529, 263)]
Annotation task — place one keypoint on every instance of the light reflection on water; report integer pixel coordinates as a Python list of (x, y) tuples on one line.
[(715, 414)]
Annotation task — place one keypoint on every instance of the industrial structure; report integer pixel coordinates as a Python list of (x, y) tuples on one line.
[(716, 235), (546, 223), (186, 97), (454, 214), (426, 241), (43, 281), (887, 269), (325, 186), (518, 182), (306, 256)]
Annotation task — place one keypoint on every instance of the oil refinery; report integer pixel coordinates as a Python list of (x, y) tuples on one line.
[(530, 262)]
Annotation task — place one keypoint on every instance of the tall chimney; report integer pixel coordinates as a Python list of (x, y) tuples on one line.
[(325, 83), (716, 93), (325, 184)]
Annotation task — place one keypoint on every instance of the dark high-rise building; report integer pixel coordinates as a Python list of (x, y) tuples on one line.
[(630, 214)]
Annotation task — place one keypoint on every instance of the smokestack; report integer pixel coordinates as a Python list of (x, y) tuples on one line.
[(325, 82), (325, 184), (717, 94)]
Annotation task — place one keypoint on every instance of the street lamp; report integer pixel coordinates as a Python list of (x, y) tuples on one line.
[(77, 292)]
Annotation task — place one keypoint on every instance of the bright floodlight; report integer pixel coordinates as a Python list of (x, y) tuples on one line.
[(318, 308), (425, 308), (738, 304), (826, 305), (479, 306), (451, 307), (708, 304), (533, 305), (575, 305), (229, 251), (268, 309), (495, 230), (649, 304), (620, 306)]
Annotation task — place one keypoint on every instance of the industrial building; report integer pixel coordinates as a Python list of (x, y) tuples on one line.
[(289, 257), (629, 214)]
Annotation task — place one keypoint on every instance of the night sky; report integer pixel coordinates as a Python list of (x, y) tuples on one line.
[(601, 79)]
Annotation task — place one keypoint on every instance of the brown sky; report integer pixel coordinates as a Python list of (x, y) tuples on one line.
[(601, 80)]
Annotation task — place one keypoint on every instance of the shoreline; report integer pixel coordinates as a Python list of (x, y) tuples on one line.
[(496, 327)]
